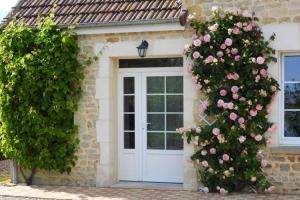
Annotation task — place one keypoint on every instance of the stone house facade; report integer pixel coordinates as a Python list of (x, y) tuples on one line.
[(116, 143)]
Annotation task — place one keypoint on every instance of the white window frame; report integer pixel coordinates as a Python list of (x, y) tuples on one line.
[(286, 141)]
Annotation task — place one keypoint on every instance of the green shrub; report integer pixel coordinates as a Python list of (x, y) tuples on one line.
[(40, 86)]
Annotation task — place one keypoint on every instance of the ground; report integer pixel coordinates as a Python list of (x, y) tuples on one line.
[(63, 192)]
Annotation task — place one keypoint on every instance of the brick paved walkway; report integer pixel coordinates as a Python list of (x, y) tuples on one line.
[(63, 192)]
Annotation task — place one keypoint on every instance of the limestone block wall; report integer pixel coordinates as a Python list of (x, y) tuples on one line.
[(268, 11)]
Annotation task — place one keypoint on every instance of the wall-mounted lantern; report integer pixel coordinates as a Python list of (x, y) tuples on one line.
[(142, 48)]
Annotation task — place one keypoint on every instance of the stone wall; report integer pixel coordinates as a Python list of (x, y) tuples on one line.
[(284, 171), (268, 11)]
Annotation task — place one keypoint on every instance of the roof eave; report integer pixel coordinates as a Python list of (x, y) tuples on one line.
[(122, 23)]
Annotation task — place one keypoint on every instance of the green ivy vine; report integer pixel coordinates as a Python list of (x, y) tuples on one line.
[(230, 57), (40, 87)]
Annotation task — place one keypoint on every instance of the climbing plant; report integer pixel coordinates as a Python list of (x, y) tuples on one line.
[(229, 64), (40, 86)]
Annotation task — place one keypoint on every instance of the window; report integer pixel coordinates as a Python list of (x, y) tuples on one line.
[(291, 87), (151, 62)]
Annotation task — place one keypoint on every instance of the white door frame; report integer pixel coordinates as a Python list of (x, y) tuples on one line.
[(140, 151)]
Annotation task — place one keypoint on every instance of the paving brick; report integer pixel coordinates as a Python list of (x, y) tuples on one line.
[(92, 193)]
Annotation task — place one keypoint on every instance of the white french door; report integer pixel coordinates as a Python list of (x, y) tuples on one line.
[(150, 110)]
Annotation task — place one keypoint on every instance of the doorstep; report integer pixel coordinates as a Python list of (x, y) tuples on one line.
[(148, 185)]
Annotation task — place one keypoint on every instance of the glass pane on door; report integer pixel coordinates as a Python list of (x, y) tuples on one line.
[(129, 112), (164, 112)]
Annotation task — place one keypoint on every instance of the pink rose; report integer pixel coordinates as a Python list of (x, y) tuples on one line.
[(223, 46), (209, 59), (220, 103), (258, 138), (236, 76), (221, 139), (234, 51), (220, 54), (198, 130), (196, 55), (216, 131), (237, 58), (197, 42), (235, 96), (230, 105), (180, 131), (249, 27), (260, 60), (202, 109), (259, 107), (257, 78), (223, 93), (253, 113), (204, 163), (233, 116), (228, 42), (198, 87), (207, 38), (225, 157), (239, 24), (221, 161), (195, 79), (241, 120), (227, 51), (203, 106), (225, 105), (234, 89), (212, 151), (264, 163), (222, 60), (242, 139), (264, 73), (194, 37), (254, 71), (236, 31), (229, 76)]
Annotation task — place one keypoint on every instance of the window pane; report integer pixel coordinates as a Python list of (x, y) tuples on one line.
[(174, 103), (174, 84), (292, 125), (155, 140), (174, 141), (174, 121), (292, 68), (151, 62), (129, 122), (155, 103), (292, 95), (156, 85), (128, 85), (129, 141), (128, 103), (156, 122)]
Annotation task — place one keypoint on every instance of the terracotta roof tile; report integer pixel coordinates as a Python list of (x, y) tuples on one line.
[(96, 11)]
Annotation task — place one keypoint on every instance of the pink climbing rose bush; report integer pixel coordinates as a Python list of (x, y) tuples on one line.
[(229, 64)]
